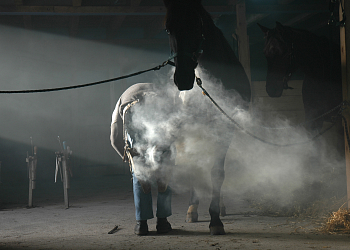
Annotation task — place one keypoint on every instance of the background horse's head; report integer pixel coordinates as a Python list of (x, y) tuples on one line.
[(278, 51), (185, 28)]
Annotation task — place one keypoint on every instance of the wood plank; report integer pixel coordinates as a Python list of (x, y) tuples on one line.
[(99, 10), (295, 117), (155, 10), (286, 103), (243, 39)]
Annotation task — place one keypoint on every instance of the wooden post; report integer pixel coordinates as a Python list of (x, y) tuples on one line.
[(242, 38), (344, 41)]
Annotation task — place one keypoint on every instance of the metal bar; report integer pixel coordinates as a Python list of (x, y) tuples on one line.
[(65, 181), (31, 174), (30, 199)]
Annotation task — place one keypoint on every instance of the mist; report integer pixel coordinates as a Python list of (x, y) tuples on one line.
[(81, 117), (35, 60), (284, 165)]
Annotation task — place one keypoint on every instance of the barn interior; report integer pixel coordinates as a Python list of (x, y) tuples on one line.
[(49, 44)]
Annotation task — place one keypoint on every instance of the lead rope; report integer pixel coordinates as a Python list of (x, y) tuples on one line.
[(199, 83), (28, 91)]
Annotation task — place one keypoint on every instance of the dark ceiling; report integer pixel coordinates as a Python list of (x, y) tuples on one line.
[(116, 16), (140, 22)]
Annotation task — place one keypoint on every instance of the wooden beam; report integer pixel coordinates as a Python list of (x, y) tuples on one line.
[(242, 38), (345, 65), (154, 10), (96, 10)]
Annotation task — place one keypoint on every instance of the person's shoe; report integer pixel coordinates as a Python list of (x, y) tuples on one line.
[(141, 227), (163, 226)]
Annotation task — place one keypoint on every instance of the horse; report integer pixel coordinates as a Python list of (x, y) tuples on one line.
[(196, 41), (288, 49)]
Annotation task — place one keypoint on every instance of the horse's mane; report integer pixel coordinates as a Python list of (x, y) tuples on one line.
[(220, 59)]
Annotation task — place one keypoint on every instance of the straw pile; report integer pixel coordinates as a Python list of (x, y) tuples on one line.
[(338, 222)]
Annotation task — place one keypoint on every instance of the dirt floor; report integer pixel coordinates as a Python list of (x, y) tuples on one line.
[(98, 204)]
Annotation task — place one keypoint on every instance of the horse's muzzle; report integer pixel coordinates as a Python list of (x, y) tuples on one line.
[(274, 89), (184, 80)]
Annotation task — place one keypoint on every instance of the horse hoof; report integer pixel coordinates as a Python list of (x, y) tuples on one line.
[(192, 217), (222, 211), (217, 230)]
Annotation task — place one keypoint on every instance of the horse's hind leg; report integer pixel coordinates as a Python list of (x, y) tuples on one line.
[(222, 206), (217, 177), (192, 213)]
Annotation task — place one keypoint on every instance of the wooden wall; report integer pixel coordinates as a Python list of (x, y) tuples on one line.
[(289, 105)]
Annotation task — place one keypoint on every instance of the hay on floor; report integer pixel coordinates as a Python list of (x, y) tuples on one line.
[(338, 222)]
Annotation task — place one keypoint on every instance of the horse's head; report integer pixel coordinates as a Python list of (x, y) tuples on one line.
[(279, 53), (185, 28)]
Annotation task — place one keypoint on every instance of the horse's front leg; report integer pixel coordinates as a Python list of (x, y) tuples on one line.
[(217, 177)]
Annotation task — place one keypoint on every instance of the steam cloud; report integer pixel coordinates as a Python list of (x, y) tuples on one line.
[(251, 166), (42, 60)]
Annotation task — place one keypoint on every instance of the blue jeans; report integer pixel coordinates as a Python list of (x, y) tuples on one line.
[(144, 205)]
